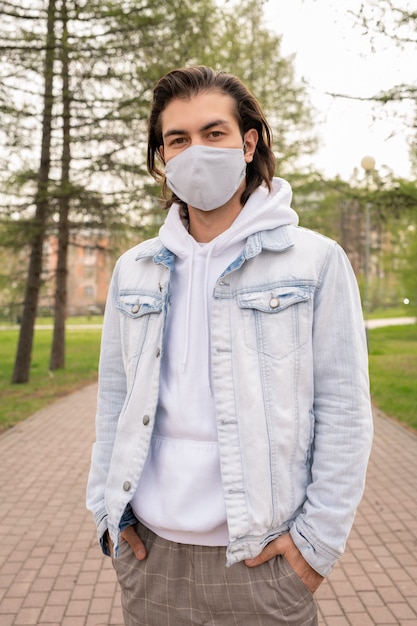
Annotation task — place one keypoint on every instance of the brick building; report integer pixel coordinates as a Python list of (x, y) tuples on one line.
[(89, 272)]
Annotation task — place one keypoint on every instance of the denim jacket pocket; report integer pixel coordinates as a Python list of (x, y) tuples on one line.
[(138, 320), (276, 320)]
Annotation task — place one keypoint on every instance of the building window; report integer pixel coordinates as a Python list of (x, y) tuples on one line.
[(89, 292)]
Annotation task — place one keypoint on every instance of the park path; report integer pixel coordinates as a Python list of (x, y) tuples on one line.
[(52, 572)]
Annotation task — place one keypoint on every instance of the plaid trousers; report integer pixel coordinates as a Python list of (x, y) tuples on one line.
[(189, 585)]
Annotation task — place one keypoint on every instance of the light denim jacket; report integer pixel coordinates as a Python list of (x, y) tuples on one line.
[(290, 378)]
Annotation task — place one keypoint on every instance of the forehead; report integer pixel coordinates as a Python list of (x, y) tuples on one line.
[(195, 112)]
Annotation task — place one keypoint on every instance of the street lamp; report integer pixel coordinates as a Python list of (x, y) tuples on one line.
[(368, 164)]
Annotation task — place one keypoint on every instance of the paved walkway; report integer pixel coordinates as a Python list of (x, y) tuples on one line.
[(391, 321), (52, 572)]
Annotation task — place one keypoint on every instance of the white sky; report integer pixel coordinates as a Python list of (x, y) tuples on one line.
[(334, 56)]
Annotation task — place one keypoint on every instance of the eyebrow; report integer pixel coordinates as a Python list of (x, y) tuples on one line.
[(175, 131)]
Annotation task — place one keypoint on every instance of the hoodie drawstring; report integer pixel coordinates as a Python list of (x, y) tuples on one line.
[(207, 312), (187, 315)]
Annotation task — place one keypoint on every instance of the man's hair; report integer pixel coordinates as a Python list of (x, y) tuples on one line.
[(188, 82)]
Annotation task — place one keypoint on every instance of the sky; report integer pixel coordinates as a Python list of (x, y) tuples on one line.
[(333, 55)]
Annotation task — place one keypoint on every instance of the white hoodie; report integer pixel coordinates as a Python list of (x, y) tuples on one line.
[(180, 494)]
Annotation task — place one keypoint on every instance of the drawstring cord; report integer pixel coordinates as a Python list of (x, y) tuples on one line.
[(187, 315), (207, 318)]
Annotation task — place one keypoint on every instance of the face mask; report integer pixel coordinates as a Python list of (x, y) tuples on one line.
[(206, 177)]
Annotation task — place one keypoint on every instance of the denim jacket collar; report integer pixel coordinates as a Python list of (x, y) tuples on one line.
[(278, 240), (160, 254)]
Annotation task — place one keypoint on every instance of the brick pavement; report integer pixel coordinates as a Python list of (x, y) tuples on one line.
[(52, 572)]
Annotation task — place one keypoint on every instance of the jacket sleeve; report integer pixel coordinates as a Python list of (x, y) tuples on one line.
[(343, 418), (111, 398)]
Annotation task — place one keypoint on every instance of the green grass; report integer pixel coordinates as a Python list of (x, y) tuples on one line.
[(72, 321), (48, 321), (20, 401), (393, 370), (404, 311)]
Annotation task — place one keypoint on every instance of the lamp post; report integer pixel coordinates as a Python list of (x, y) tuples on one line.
[(368, 164)]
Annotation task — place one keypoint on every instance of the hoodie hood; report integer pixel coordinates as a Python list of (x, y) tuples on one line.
[(262, 211)]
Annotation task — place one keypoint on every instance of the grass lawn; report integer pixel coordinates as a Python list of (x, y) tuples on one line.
[(404, 311), (393, 369), (20, 401)]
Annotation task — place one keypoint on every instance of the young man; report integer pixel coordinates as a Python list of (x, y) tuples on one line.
[(234, 421)]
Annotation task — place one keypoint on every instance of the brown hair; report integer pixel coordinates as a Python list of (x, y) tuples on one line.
[(188, 82)]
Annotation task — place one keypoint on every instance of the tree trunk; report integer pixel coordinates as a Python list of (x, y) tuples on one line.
[(25, 344), (57, 358)]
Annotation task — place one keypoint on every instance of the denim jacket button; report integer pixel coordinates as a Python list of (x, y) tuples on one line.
[(126, 485), (135, 308), (274, 303), (146, 420)]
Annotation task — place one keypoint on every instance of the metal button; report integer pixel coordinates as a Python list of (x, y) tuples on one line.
[(274, 303), (135, 308), (126, 485), (146, 420)]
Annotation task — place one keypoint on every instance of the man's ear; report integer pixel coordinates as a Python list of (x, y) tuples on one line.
[(161, 154), (250, 141)]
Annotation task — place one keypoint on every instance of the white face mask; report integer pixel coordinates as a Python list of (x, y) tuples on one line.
[(206, 177)]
